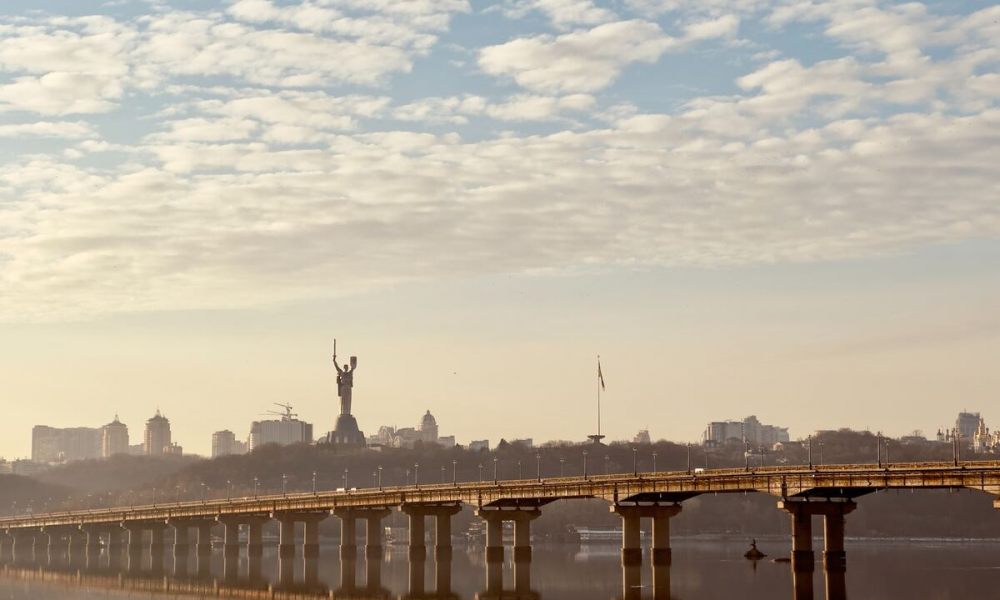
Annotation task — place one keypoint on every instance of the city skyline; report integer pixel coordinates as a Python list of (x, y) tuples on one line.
[(785, 208)]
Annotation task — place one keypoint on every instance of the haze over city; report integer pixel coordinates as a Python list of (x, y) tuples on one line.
[(743, 207)]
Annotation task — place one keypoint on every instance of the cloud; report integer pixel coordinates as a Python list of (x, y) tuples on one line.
[(520, 107), (49, 129), (562, 13), (581, 61)]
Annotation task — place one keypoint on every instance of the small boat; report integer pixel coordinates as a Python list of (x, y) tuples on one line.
[(753, 553)]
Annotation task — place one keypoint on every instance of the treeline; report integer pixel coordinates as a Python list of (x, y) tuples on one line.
[(126, 480)]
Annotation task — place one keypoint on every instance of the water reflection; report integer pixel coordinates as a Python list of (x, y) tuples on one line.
[(705, 571)]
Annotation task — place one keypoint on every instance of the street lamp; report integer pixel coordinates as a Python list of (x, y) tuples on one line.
[(689, 457), (314, 483), (375, 478), (442, 473), (821, 453), (496, 468), (345, 479), (562, 467), (416, 474), (407, 477), (380, 477), (538, 466), (229, 490), (746, 453), (879, 451), (255, 482), (480, 472), (888, 462), (635, 461), (284, 485), (654, 462), (810, 452), (607, 464), (454, 472), (584, 464), (520, 474)]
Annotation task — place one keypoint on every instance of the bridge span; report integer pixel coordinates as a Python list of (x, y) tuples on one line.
[(829, 491)]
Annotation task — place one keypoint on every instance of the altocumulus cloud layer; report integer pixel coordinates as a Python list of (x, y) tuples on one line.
[(157, 157)]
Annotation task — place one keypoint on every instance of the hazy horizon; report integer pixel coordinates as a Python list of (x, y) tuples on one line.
[(789, 209)]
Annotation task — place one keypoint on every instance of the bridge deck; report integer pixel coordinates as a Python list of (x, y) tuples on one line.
[(781, 481)]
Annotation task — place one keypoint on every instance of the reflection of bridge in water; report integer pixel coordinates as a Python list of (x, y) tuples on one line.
[(827, 491)]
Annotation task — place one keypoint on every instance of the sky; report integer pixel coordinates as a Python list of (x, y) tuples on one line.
[(787, 208)]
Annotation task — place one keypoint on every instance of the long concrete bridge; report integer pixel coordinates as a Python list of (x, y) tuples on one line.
[(829, 491)]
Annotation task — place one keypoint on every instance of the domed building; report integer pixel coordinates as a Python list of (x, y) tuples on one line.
[(428, 428)]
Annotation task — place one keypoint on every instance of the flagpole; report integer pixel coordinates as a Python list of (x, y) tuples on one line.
[(598, 395)]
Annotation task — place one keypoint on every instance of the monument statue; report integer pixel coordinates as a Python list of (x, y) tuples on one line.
[(346, 433), (345, 382)]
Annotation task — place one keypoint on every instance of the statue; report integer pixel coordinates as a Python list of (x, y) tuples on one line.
[(345, 381), (346, 433)]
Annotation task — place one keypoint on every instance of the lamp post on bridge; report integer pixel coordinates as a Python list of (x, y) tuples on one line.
[(879, 444), (538, 466), (480, 472), (496, 469), (454, 472), (416, 474), (442, 473), (256, 481), (888, 463), (607, 464), (562, 467), (284, 485), (689, 457), (380, 477), (654, 462), (375, 478), (314, 483), (585, 464), (635, 461), (746, 454), (345, 479), (810, 451), (821, 461), (520, 475), (229, 490)]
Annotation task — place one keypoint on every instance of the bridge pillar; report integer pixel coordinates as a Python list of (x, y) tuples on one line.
[(6, 546), (77, 547), (157, 538), (833, 513), (373, 530), (310, 541), (373, 534), (632, 515), (23, 549), (204, 544), (348, 534), (182, 543), (231, 536), (522, 533), (255, 537), (286, 537), (662, 554), (442, 514), (494, 535), (418, 548)]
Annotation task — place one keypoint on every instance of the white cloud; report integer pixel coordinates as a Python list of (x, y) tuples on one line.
[(581, 61), (49, 129), (562, 13), (520, 107)]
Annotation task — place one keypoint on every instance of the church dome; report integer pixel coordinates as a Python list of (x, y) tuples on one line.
[(428, 422)]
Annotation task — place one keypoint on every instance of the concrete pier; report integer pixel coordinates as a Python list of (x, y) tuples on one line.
[(6, 546), (632, 515), (442, 514), (522, 518), (373, 530), (833, 513), (286, 532)]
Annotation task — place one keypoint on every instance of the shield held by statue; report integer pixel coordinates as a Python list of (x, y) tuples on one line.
[(354, 362)]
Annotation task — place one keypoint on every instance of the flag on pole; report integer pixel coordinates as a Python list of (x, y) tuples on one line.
[(600, 375)]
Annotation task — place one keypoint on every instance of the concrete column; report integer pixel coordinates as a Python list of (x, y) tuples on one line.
[(286, 538), (116, 541), (522, 539), (661, 582), (632, 580), (93, 543), (6, 546), (232, 537), (373, 535), (310, 571), (494, 538), (373, 576), (348, 536), (802, 583), (134, 538), (310, 541), (77, 548), (442, 534), (204, 537), (24, 546), (255, 538), (494, 575), (661, 533), (836, 584), (348, 576), (156, 539), (834, 556), (631, 545), (802, 549), (418, 567), (418, 549), (442, 576), (181, 541)]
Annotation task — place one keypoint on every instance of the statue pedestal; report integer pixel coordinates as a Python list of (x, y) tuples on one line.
[(346, 432)]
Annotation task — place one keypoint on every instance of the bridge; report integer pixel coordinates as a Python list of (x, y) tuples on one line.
[(803, 492)]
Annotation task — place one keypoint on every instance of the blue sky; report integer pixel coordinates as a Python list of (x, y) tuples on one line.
[(290, 160)]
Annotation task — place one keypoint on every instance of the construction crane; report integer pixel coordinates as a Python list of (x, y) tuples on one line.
[(286, 415)]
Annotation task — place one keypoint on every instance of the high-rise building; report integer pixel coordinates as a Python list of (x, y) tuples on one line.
[(284, 432), (157, 439), (225, 443), (967, 423), (51, 444), (114, 439), (749, 429)]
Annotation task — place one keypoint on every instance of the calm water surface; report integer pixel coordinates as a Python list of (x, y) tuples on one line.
[(702, 570)]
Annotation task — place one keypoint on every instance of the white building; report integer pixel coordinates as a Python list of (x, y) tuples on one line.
[(284, 431), (749, 429), (114, 438), (225, 443)]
